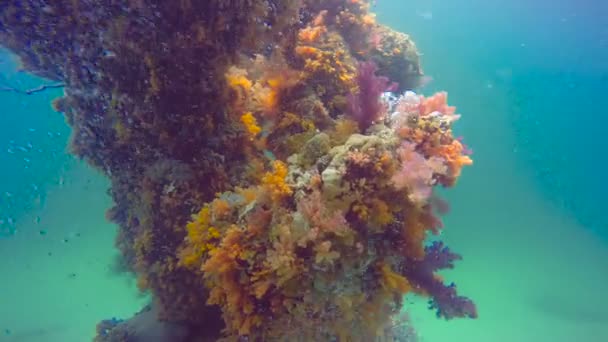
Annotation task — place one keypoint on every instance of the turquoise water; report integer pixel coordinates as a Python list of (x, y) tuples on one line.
[(531, 80), (58, 257), (528, 218), (549, 60)]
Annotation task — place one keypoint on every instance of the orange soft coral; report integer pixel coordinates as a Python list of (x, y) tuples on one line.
[(393, 281), (241, 86), (311, 34), (251, 124), (453, 154), (329, 60), (201, 237), (274, 182), (272, 79), (223, 273), (437, 103)]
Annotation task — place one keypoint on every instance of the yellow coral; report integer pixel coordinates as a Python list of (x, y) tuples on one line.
[(308, 51), (274, 181), (393, 281), (267, 92), (265, 99), (237, 81), (251, 124), (311, 34), (249, 194), (202, 238), (369, 19), (334, 63), (221, 208)]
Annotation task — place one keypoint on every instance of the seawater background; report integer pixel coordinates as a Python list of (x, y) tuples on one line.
[(58, 273), (530, 79)]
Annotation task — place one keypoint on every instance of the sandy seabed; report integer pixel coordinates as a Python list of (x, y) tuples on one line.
[(535, 275), (59, 275)]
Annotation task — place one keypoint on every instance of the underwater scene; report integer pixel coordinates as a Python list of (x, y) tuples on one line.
[(303, 170)]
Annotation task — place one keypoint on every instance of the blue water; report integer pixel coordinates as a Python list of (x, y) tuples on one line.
[(33, 141), (531, 81), (551, 59)]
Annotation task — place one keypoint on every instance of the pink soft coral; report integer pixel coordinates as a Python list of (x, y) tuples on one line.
[(436, 103), (416, 173), (319, 217)]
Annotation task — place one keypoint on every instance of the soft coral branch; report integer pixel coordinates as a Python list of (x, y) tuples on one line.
[(365, 106), (444, 298), (439, 257)]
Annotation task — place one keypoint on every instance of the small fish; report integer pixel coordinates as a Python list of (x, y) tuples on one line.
[(29, 145), (37, 220), (8, 194), (50, 134), (108, 53), (26, 160), (268, 154), (32, 129), (426, 15), (21, 148), (10, 150)]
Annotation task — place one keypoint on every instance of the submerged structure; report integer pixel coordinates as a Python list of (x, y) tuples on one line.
[(268, 183)]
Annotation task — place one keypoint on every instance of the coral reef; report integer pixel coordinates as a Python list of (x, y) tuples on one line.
[(260, 175)]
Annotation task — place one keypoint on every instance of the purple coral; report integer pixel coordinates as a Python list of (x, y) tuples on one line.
[(439, 257), (365, 106), (448, 303), (444, 298)]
